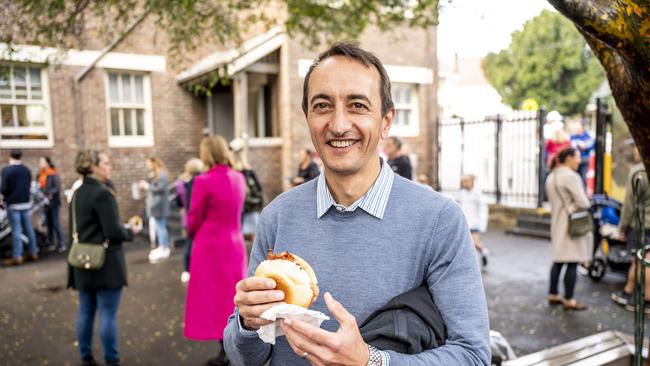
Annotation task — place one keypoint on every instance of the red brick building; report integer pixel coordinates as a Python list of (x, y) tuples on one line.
[(134, 102)]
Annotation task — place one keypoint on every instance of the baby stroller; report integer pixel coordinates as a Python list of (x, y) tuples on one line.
[(609, 251), (6, 245)]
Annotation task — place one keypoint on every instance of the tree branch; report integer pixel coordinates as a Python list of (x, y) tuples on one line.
[(612, 24)]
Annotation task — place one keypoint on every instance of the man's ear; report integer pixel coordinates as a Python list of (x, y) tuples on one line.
[(387, 123)]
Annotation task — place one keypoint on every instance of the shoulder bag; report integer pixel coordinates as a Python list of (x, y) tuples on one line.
[(580, 221), (88, 256)]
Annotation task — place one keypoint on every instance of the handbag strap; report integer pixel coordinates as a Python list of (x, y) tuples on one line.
[(75, 233), (555, 186)]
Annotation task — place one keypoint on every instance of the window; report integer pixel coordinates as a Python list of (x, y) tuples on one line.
[(406, 122), (24, 107), (129, 110), (259, 113)]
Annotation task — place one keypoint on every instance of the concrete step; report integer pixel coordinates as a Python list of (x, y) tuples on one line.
[(544, 234)]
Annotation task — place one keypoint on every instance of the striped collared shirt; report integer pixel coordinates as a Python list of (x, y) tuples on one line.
[(373, 202)]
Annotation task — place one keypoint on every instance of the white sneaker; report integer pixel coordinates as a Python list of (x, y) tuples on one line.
[(164, 252), (154, 254), (159, 254), (185, 277)]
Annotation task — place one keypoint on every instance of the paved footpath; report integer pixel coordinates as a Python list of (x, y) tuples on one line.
[(37, 313), (516, 285)]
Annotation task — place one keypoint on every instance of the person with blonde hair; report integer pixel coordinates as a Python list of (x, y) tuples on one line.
[(157, 187), (218, 258), (254, 199), (193, 167)]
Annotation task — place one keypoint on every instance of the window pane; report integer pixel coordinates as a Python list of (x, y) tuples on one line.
[(407, 118), (35, 83), (140, 124), (115, 122), (22, 116), (128, 130), (126, 88), (20, 83), (5, 88), (139, 89), (397, 94), (6, 111), (112, 86), (35, 116), (407, 95)]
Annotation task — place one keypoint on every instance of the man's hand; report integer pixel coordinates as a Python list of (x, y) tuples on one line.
[(254, 296), (320, 347)]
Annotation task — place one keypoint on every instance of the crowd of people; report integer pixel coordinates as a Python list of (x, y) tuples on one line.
[(364, 201)]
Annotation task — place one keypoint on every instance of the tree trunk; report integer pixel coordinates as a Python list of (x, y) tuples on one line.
[(618, 31)]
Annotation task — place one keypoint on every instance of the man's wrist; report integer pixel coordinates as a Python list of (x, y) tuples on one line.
[(242, 329)]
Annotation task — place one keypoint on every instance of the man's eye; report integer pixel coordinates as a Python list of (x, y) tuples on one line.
[(319, 107), (358, 106)]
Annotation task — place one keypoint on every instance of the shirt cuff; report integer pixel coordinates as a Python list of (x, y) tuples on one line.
[(243, 331), (385, 358)]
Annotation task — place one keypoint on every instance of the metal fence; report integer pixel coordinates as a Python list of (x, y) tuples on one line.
[(502, 151)]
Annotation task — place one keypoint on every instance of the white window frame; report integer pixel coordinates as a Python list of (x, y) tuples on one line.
[(130, 141), (47, 113), (412, 129)]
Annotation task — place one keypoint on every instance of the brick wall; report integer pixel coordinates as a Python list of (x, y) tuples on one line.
[(267, 164)]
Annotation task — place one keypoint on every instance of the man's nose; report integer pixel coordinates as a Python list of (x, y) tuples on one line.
[(340, 123)]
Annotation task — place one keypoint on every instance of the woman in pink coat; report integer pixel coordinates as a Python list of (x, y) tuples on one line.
[(218, 255)]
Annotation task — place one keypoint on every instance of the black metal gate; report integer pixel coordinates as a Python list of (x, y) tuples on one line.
[(503, 151)]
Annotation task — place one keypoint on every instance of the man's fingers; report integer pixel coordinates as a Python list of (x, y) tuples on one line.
[(315, 334), (258, 297), (346, 319), (298, 341), (255, 311), (256, 323), (255, 284)]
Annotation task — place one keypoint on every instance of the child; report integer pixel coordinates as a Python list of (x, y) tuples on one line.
[(473, 204)]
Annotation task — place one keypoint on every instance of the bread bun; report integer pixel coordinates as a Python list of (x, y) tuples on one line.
[(137, 220), (292, 275)]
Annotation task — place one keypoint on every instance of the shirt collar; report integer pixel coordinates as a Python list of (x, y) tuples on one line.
[(373, 202)]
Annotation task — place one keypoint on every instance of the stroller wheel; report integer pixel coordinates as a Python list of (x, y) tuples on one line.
[(597, 269)]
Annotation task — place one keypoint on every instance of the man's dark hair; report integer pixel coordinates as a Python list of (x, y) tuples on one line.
[(354, 52), (396, 141), (16, 154)]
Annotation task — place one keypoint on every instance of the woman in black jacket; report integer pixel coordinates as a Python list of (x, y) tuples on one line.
[(97, 218)]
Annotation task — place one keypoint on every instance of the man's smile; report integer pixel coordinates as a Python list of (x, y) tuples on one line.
[(341, 144)]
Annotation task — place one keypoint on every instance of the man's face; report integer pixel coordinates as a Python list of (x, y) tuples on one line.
[(344, 114)]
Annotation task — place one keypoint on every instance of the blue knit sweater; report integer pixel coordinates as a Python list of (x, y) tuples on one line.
[(364, 262)]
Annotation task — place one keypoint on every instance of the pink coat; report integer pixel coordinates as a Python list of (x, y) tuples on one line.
[(218, 258)]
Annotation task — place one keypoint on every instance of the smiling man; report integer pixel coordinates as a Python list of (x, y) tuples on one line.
[(369, 235)]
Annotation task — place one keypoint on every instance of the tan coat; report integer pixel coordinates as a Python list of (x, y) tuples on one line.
[(564, 181)]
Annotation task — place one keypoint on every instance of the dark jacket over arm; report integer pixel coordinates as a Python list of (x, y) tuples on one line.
[(53, 189), (98, 220)]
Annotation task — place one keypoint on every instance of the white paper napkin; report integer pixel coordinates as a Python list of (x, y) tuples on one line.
[(269, 332)]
